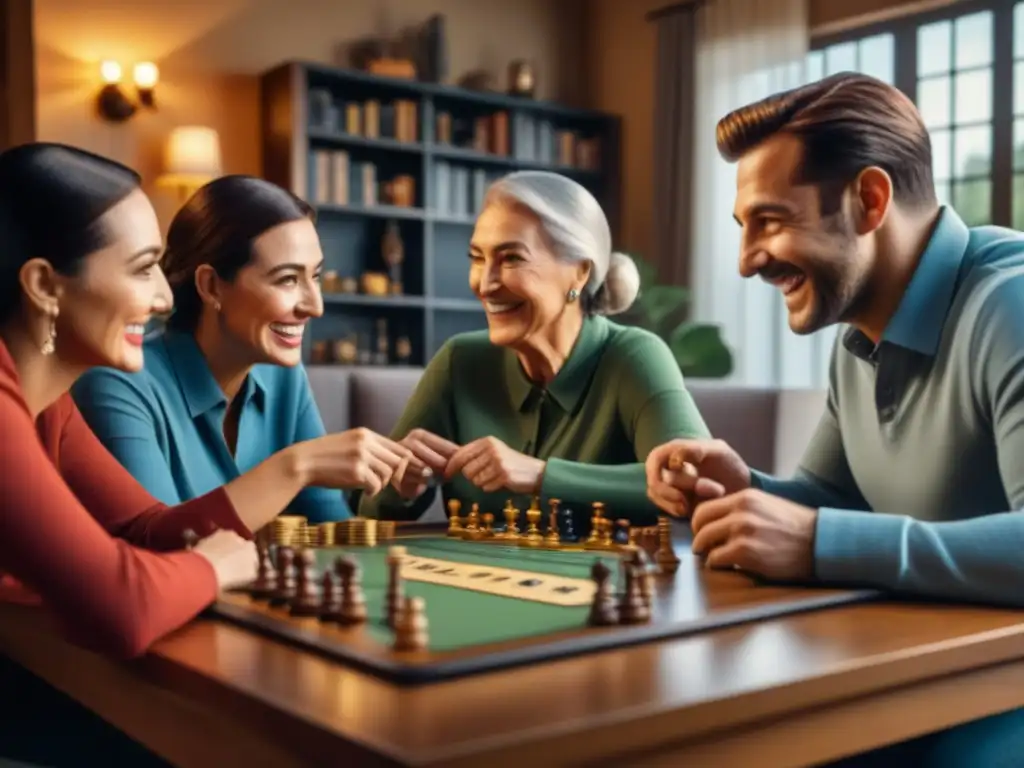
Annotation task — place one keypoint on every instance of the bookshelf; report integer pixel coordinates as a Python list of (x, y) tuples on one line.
[(385, 161)]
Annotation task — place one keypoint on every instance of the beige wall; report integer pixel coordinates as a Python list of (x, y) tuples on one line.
[(620, 54), (210, 52)]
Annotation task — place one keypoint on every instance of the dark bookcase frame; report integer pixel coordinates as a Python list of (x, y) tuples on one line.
[(437, 303)]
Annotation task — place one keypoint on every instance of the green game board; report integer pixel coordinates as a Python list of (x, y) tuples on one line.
[(461, 617)]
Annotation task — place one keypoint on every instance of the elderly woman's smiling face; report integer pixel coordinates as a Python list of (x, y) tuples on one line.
[(516, 274)]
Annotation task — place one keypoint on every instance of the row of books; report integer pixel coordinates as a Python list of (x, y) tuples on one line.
[(372, 118), (524, 137)]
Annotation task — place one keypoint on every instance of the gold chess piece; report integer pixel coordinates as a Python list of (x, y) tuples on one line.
[(488, 530), (533, 536), (511, 518), (473, 529), (553, 537), (454, 521), (666, 557)]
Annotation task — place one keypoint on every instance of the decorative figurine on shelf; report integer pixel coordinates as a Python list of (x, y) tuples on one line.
[(348, 285), (521, 78), (329, 281), (318, 353), (346, 350), (393, 253), (381, 355), (403, 350)]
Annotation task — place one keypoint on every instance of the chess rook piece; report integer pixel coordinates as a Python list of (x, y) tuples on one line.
[(307, 595), (393, 599), (353, 601), (603, 611), (411, 626), (665, 557), (266, 575)]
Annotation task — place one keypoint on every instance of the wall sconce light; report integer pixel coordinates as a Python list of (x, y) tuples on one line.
[(191, 159), (113, 103)]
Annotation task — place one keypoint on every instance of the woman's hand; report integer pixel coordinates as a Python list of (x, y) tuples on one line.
[(430, 450), (490, 465), (357, 458)]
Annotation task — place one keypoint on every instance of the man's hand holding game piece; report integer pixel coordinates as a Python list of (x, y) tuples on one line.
[(356, 458), (756, 532), (683, 473), (491, 465), (234, 559)]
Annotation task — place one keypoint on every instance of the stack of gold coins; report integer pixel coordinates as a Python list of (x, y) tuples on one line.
[(325, 535), (385, 530), (342, 530), (289, 530), (362, 532)]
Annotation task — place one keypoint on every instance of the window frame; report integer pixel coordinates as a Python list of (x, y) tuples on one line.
[(904, 32)]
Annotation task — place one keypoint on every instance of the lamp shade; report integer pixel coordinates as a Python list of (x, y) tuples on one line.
[(192, 157)]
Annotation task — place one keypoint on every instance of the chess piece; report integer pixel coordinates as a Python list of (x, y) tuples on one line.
[(622, 532), (411, 626), (284, 590), (633, 609), (353, 601), (393, 599), (454, 522), (533, 515), (553, 538), (307, 596), (511, 521), (488, 531), (473, 531), (603, 611), (642, 562), (665, 557), (266, 574), (330, 597)]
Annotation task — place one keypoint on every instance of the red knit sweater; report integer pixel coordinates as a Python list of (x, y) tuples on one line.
[(84, 536)]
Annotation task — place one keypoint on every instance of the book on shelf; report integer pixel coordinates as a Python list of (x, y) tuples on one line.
[(459, 190), (369, 118)]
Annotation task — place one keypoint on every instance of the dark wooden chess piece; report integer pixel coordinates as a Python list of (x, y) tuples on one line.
[(603, 612), (395, 596), (284, 590), (642, 562), (307, 595), (266, 575), (633, 609), (665, 557), (330, 597), (411, 626), (353, 601)]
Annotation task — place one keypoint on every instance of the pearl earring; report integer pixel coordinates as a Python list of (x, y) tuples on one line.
[(572, 295), (49, 345)]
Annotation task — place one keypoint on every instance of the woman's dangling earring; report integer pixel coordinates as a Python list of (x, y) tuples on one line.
[(50, 342), (572, 295)]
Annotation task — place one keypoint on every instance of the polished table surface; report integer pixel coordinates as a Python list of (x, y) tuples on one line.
[(788, 691)]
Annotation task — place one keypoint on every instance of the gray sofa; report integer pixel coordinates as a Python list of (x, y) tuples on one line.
[(769, 428)]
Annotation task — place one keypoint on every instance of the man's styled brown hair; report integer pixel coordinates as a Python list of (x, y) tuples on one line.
[(847, 122)]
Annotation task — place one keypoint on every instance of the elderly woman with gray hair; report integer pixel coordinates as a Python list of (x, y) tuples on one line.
[(553, 399)]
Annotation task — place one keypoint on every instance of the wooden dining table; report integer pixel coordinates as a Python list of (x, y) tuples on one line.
[(791, 690)]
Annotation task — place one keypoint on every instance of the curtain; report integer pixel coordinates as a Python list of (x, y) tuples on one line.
[(743, 50), (673, 143)]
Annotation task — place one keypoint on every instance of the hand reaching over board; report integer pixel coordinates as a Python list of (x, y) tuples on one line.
[(491, 465), (432, 452), (682, 473)]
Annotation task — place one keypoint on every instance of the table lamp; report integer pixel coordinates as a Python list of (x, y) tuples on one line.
[(191, 159)]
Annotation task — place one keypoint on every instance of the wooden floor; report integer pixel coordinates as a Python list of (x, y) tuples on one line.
[(787, 691)]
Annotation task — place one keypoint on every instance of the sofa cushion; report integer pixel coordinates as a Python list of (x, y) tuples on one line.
[(744, 417), (379, 396), (331, 392)]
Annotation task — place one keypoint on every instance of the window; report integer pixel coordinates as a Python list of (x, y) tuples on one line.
[(874, 55), (958, 63)]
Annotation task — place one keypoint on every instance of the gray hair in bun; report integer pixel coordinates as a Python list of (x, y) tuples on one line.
[(574, 222)]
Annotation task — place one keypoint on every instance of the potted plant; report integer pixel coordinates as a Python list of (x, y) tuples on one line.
[(663, 309)]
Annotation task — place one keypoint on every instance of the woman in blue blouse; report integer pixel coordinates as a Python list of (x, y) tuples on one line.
[(223, 387)]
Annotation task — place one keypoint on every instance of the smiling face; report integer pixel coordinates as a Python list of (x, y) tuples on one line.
[(266, 307), (517, 276), (815, 260), (104, 307)]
